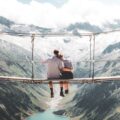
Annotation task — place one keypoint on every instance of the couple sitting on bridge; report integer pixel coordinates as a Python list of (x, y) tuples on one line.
[(59, 68)]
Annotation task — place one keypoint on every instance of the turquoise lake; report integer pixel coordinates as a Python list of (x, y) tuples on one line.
[(47, 115)]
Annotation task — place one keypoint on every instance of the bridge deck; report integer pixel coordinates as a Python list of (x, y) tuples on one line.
[(56, 81)]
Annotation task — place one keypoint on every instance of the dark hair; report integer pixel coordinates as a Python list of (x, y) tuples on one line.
[(60, 56), (56, 52)]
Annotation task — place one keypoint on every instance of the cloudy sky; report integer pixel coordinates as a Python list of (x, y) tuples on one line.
[(58, 13)]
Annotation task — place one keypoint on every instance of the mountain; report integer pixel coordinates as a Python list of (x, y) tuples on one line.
[(9, 26), (20, 100), (16, 98), (114, 25), (84, 26), (89, 101), (16, 61), (6, 22), (95, 102), (112, 48)]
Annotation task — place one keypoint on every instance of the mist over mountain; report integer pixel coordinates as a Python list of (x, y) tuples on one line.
[(6, 22), (114, 25), (84, 26), (7, 25), (10, 26)]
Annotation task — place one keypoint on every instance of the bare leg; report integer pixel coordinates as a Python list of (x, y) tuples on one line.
[(51, 88), (61, 84)]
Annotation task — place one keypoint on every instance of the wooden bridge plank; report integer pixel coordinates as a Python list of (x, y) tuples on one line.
[(56, 81)]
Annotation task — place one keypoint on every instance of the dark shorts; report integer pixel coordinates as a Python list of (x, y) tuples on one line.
[(66, 75)]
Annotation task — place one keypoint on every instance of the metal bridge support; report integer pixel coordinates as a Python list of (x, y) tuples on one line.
[(90, 69), (32, 42), (93, 58)]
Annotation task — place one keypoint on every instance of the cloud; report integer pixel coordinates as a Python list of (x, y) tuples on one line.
[(47, 15), (57, 3)]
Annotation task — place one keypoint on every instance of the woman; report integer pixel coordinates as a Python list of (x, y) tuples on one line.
[(66, 73)]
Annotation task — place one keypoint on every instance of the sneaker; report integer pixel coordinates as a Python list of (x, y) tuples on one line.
[(66, 91), (52, 95), (61, 94)]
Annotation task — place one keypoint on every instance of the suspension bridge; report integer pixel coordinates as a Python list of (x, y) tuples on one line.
[(90, 79)]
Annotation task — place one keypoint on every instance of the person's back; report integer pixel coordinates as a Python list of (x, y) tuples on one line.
[(67, 70), (67, 64), (54, 66)]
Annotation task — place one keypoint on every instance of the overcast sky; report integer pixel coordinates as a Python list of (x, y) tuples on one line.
[(58, 13)]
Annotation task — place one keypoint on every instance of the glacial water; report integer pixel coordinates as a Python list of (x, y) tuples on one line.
[(47, 115)]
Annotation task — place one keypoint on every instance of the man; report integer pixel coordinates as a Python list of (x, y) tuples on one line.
[(55, 65)]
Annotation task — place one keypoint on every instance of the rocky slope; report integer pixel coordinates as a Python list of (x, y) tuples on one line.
[(95, 102), (100, 101), (18, 99), (21, 100)]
